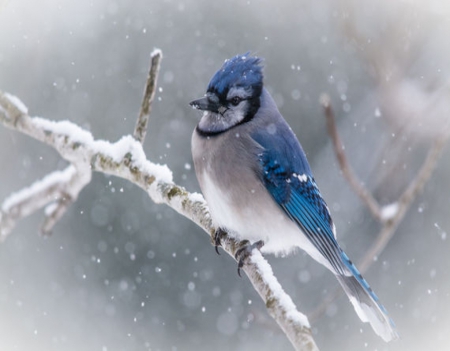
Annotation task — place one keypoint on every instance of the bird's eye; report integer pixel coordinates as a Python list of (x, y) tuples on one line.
[(235, 100)]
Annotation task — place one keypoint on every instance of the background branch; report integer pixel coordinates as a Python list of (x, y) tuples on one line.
[(389, 216), (404, 203), (344, 165)]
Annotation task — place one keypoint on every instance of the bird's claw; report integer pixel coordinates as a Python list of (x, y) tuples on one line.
[(245, 251), (218, 235)]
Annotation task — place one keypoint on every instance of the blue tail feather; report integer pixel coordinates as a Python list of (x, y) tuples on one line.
[(366, 302)]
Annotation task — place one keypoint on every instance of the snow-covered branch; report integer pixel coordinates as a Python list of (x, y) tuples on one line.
[(56, 192), (126, 159)]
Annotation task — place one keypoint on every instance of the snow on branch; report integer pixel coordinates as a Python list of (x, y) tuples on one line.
[(56, 191), (126, 159)]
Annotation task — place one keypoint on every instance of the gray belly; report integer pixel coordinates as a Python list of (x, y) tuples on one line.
[(228, 163)]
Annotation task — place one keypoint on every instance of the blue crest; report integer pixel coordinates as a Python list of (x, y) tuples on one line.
[(240, 71)]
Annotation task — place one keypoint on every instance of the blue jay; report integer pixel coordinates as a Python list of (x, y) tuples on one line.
[(258, 184)]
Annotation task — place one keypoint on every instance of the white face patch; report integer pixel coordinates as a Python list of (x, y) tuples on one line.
[(228, 117), (239, 92)]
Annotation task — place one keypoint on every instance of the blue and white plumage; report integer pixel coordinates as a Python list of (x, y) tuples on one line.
[(257, 181)]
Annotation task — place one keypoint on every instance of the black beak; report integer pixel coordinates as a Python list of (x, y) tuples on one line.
[(205, 104)]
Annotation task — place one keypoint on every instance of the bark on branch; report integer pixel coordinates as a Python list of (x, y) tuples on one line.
[(149, 94)]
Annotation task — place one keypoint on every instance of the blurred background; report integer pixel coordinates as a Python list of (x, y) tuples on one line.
[(121, 273)]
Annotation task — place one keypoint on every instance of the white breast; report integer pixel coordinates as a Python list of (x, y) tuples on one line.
[(255, 216)]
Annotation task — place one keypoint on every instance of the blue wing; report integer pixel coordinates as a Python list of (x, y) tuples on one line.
[(287, 176)]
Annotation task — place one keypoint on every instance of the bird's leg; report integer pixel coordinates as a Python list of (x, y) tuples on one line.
[(218, 235), (244, 252)]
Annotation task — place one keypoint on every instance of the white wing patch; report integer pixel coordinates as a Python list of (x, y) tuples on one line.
[(301, 177)]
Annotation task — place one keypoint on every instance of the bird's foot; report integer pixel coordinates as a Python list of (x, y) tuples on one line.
[(245, 251), (218, 235)]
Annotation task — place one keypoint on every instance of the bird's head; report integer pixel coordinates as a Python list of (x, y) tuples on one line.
[(233, 94)]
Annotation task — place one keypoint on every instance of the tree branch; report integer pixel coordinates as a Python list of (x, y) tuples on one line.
[(149, 94), (344, 165), (56, 191), (126, 159)]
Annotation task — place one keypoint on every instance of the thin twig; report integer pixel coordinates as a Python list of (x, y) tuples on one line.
[(346, 169), (54, 212), (140, 129)]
